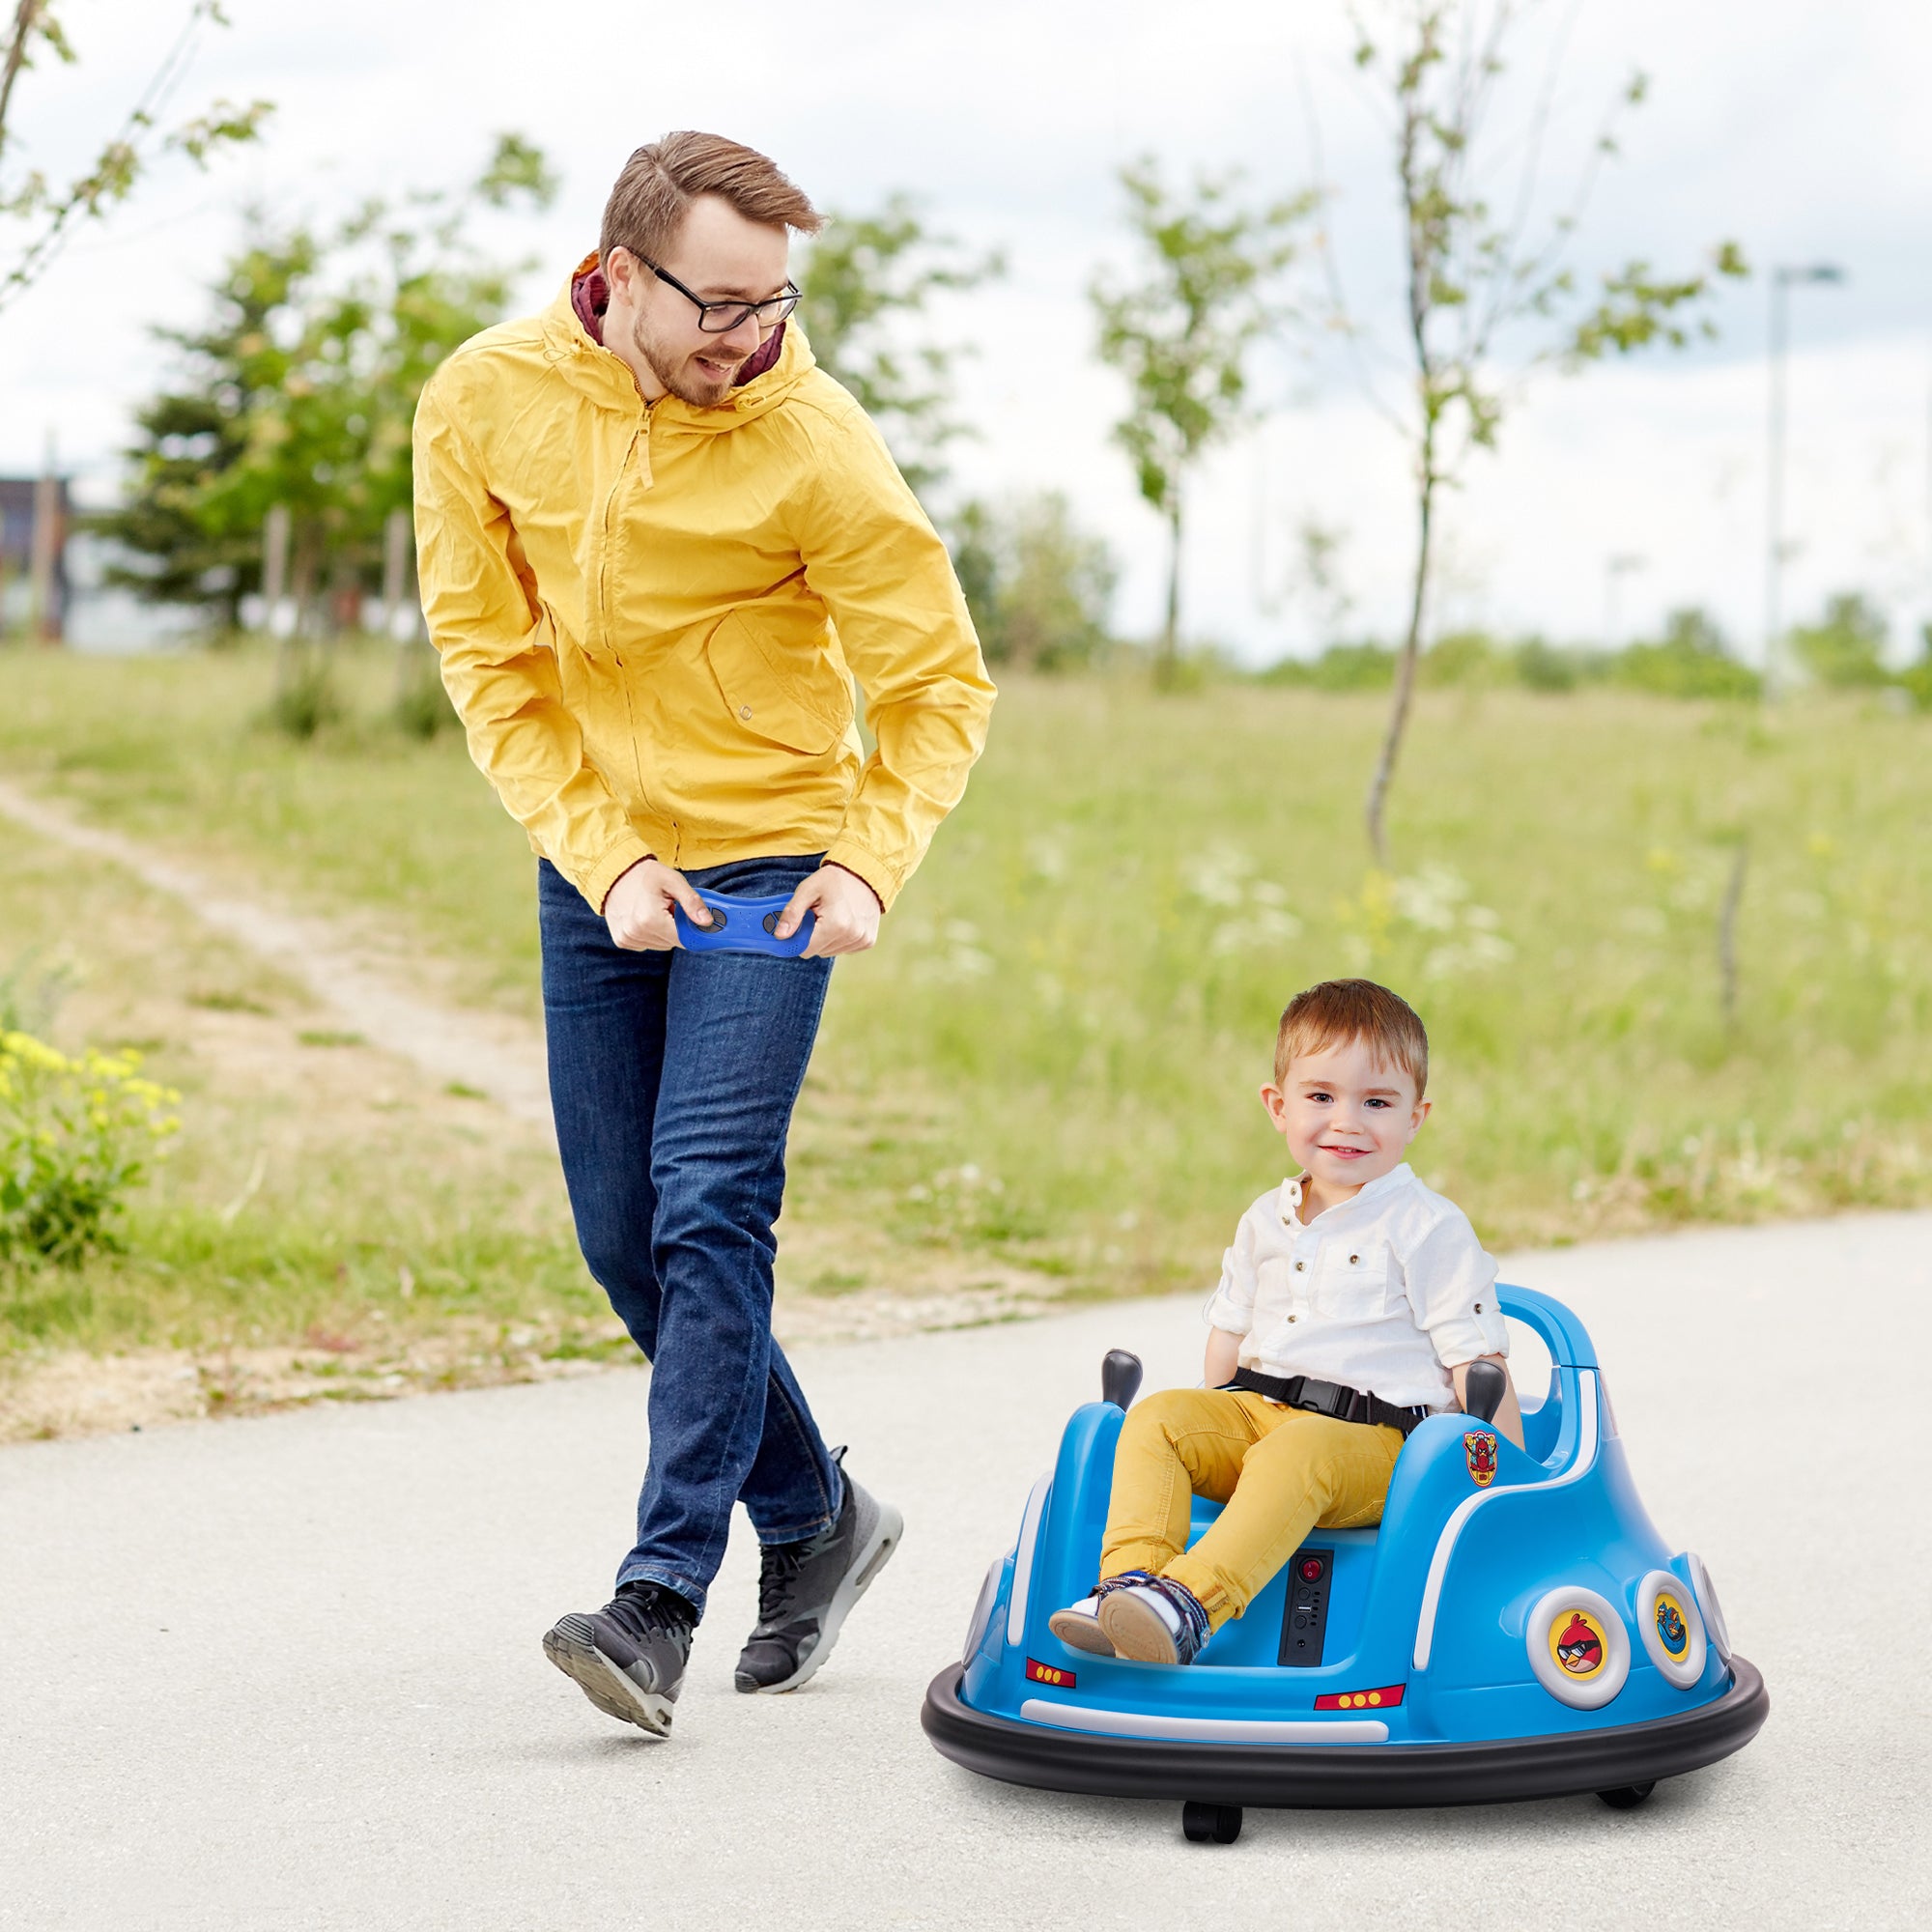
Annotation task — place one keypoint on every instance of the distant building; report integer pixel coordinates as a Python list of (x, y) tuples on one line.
[(36, 515)]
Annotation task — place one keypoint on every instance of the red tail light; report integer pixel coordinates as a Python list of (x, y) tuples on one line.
[(1360, 1700)]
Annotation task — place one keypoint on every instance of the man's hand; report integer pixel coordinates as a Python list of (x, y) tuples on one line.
[(637, 907), (846, 908)]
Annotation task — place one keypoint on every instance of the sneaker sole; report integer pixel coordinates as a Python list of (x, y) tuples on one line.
[(572, 1646), (1136, 1631), (872, 1557), (1081, 1632)]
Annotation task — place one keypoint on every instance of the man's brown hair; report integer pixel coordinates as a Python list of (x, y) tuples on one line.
[(1340, 1010), (661, 181)]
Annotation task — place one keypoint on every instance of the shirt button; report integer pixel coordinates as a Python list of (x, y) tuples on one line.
[(744, 711), (1479, 1308), (1354, 1260), (1292, 1318), (1299, 1267)]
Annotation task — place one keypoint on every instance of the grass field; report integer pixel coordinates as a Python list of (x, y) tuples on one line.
[(1049, 1063)]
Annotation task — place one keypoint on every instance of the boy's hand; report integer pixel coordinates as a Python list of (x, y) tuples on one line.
[(637, 907), (846, 909)]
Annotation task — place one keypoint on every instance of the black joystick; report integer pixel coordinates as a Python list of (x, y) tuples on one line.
[(1120, 1377), (1483, 1390)]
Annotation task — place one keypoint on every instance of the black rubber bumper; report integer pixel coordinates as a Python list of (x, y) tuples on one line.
[(1344, 1777)]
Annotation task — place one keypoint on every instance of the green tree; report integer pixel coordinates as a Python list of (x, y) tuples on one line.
[(300, 390), (1486, 297), (1181, 334), (1846, 646), (1691, 660), (1040, 589), (198, 545), (50, 211), (1917, 677), (866, 276)]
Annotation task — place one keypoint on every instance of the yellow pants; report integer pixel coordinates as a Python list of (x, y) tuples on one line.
[(1280, 1471)]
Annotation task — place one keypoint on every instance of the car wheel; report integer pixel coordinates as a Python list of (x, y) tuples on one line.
[(1627, 1796), (1210, 1824)]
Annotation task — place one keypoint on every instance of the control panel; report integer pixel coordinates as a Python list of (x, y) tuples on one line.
[(1304, 1621)]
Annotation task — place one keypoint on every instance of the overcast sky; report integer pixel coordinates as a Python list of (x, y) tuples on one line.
[(1797, 130)]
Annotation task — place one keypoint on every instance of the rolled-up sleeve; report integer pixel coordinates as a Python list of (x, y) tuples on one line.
[(874, 558), (1451, 1284), (499, 665), (1231, 1305)]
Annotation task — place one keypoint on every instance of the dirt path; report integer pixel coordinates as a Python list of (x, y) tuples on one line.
[(401, 1048), (490, 1053)]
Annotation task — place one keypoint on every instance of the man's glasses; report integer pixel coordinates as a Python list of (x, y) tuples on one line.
[(720, 318)]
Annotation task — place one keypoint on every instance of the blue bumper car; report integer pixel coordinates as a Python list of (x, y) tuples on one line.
[(1515, 1628)]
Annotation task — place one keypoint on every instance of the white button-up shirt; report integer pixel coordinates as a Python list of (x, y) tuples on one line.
[(1386, 1291)]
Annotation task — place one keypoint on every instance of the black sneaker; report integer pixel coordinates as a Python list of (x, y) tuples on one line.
[(804, 1590), (628, 1657)]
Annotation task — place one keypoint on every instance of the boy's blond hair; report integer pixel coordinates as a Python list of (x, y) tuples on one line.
[(1341, 1011)]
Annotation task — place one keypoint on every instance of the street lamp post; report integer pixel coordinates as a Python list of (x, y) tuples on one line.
[(1781, 280), (1615, 570)]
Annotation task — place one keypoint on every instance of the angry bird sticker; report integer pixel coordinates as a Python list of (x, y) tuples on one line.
[(1673, 1627), (1479, 1451), (1576, 1643)]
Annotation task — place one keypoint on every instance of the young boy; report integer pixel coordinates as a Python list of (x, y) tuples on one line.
[(1351, 1306)]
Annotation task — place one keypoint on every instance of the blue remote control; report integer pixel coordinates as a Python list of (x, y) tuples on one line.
[(743, 926)]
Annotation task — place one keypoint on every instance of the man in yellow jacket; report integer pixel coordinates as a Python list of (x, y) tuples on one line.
[(657, 544)]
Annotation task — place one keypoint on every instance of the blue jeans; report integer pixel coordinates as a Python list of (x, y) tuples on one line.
[(672, 1078)]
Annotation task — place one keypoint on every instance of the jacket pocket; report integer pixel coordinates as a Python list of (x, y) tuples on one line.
[(796, 699)]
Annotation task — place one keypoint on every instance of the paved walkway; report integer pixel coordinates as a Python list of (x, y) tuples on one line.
[(285, 1673)]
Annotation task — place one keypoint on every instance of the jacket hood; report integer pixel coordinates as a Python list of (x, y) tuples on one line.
[(573, 329)]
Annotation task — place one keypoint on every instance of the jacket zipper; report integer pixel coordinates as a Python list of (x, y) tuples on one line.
[(607, 521), (603, 595)]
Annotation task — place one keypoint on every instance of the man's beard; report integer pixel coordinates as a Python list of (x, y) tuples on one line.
[(677, 377)]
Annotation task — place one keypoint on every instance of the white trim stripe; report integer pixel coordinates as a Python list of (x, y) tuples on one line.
[(1446, 1544), (1016, 1605), (1209, 1730)]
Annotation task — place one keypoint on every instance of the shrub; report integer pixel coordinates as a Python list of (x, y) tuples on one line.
[(1363, 666), (422, 707), (1689, 661), (305, 698), (1465, 657), (75, 1136), (1543, 667), (1846, 646), (1917, 679)]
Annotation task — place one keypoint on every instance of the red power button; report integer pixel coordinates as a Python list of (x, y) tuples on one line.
[(1311, 1568)]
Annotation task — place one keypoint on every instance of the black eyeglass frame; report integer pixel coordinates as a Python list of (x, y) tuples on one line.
[(786, 300)]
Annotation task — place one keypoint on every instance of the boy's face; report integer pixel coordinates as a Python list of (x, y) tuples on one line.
[(1348, 1118)]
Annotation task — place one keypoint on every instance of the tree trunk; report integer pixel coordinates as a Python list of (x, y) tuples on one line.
[(1404, 668), (1167, 663), (290, 637)]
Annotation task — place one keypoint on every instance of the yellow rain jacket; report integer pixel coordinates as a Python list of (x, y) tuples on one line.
[(649, 616)]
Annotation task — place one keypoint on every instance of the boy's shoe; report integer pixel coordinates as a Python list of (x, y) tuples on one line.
[(805, 1588), (1156, 1622), (628, 1657), (1078, 1624)]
